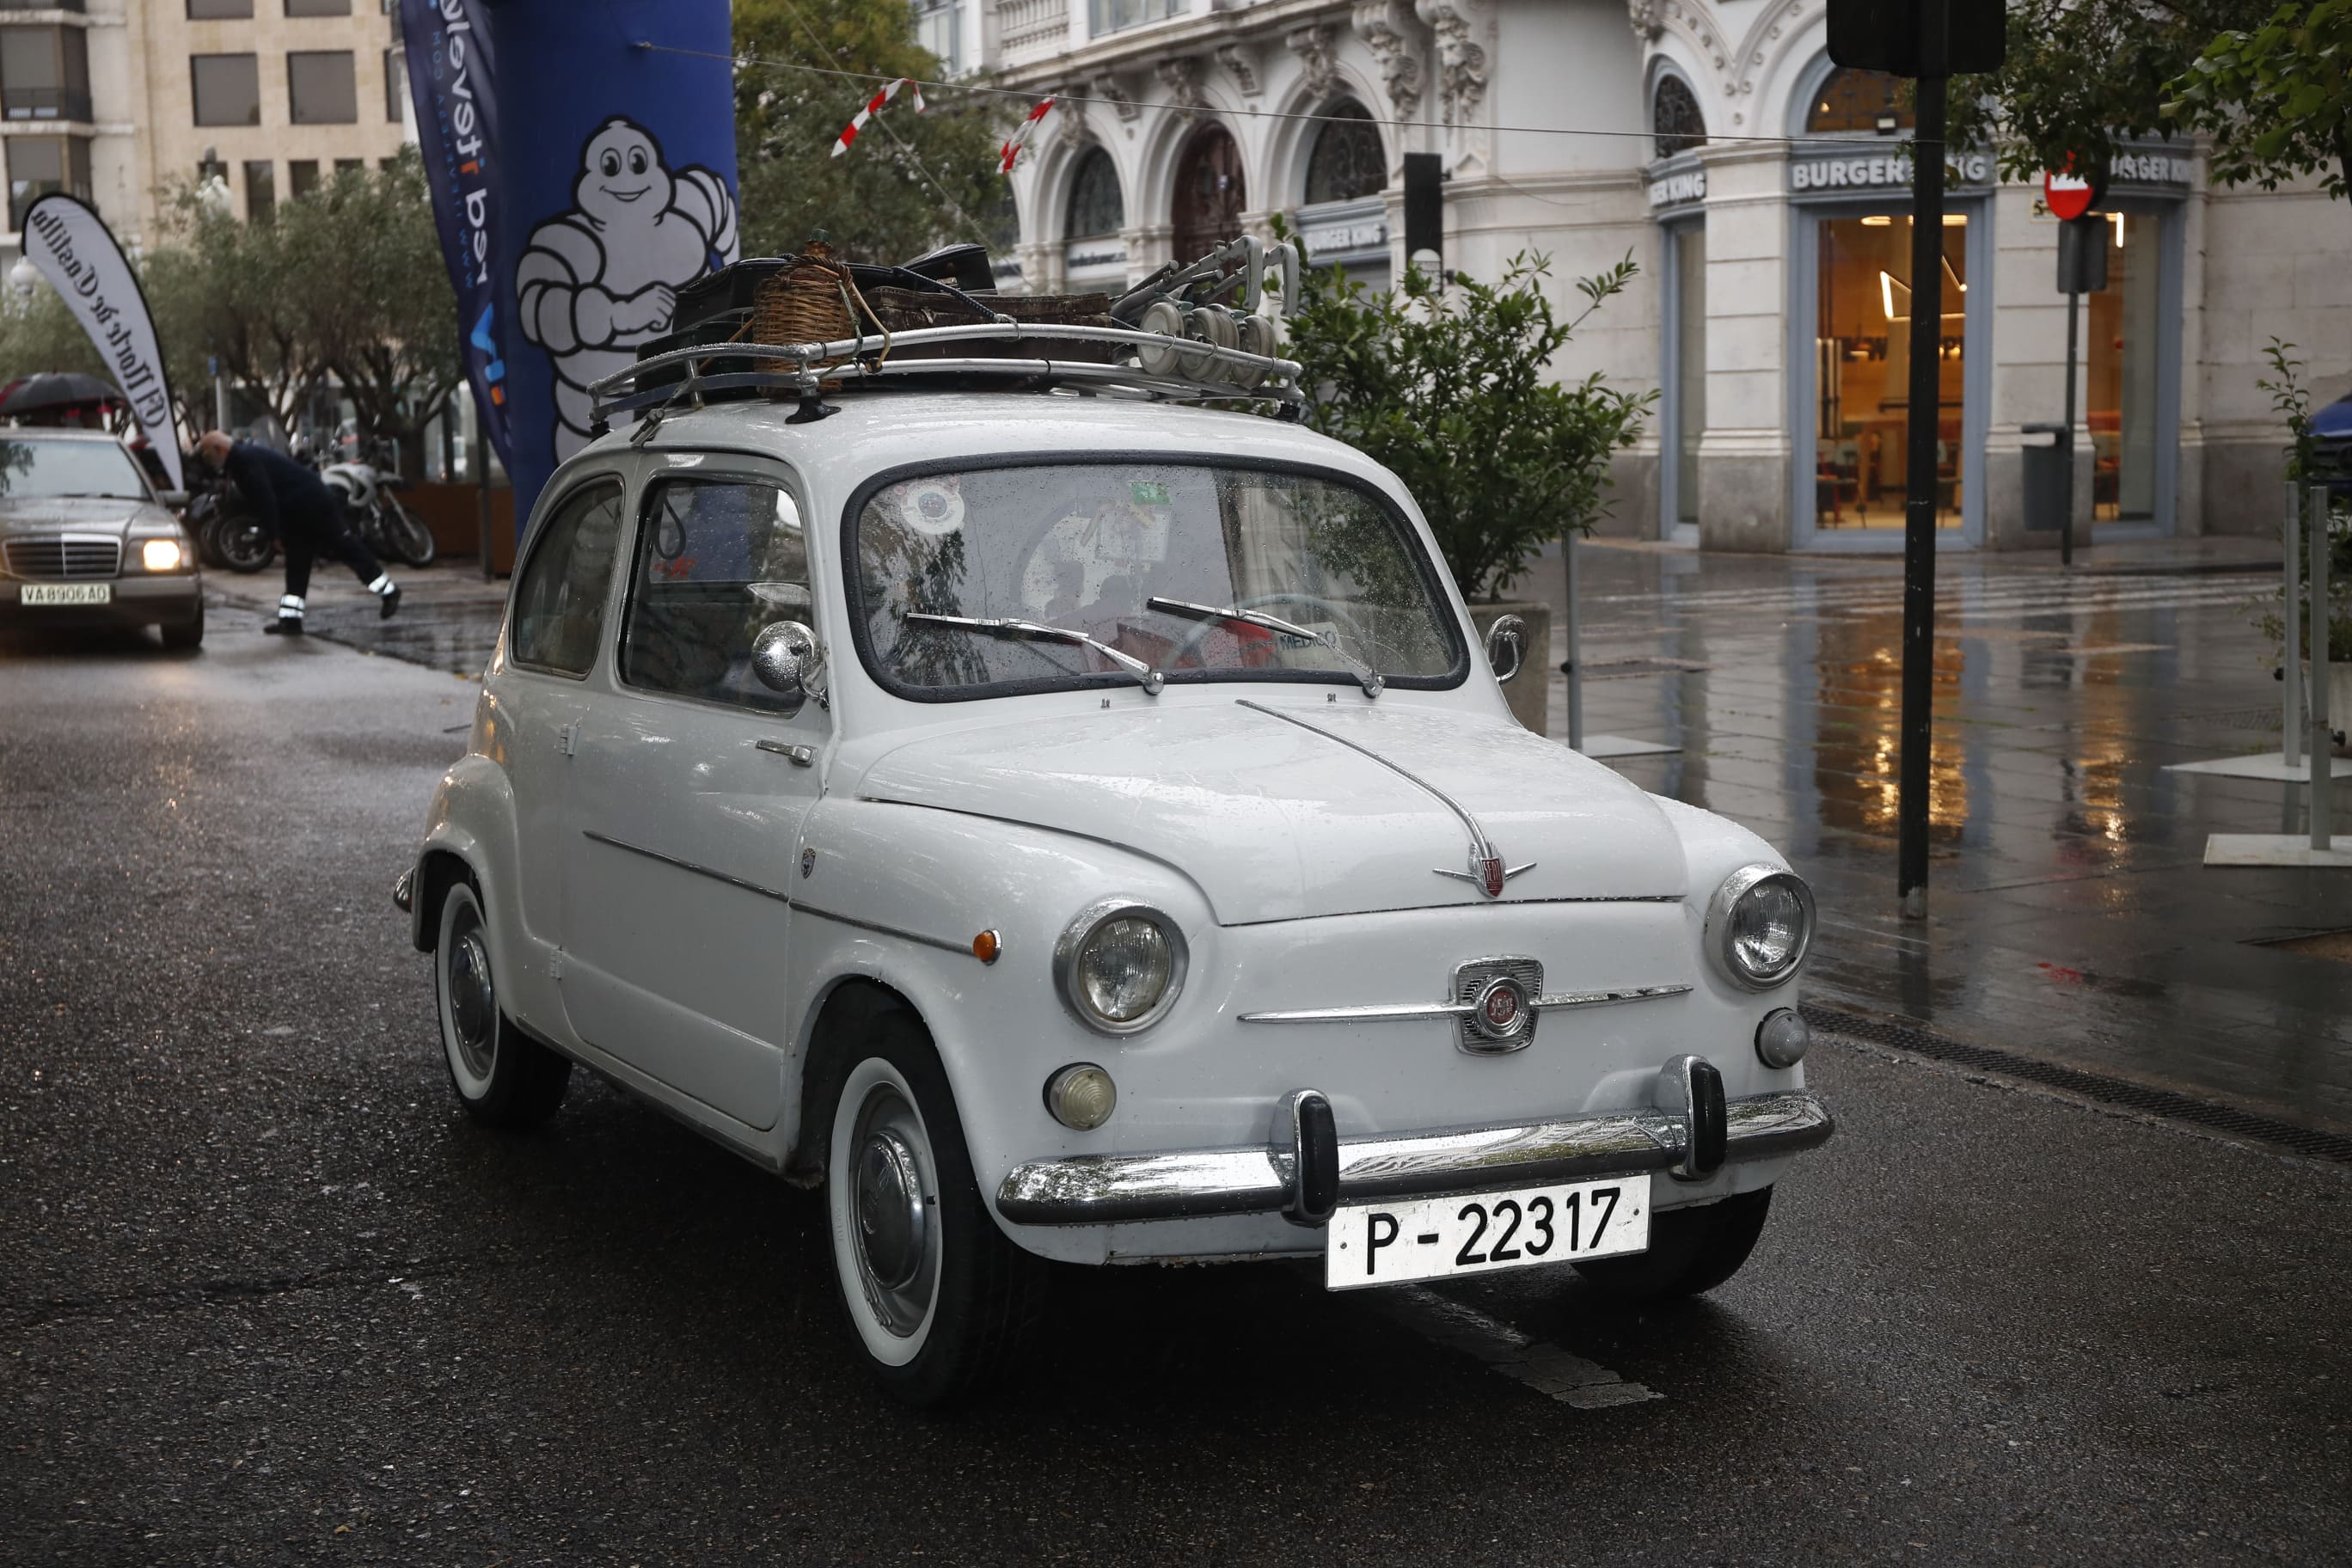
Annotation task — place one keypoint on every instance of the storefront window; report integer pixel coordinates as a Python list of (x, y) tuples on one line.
[(2121, 366), (1862, 366), (1349, 160), (1859, 100), (1096, 205), (1676, 123), (1690, 364)]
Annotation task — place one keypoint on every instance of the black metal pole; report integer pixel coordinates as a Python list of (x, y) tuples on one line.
[(2066, 440), (1919, 477)]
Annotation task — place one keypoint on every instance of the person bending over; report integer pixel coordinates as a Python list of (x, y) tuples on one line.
[(295, 506)]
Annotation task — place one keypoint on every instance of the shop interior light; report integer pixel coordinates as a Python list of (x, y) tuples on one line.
[(1877, 220), (2119, 229)]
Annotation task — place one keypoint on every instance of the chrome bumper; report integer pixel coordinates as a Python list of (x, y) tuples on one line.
[(1106, 1189)]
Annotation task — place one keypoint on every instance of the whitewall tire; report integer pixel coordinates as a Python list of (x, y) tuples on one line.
[(500, 1075)]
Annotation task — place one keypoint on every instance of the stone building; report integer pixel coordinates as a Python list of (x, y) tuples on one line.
[(110, 99), (1762, 191)]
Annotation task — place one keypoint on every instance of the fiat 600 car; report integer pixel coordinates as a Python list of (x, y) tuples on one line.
[(1068, 824)]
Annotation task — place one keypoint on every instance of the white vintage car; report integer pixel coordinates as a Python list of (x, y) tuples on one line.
[(1072, 825)]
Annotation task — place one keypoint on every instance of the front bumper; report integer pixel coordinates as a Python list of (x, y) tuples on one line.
[(1688, 1134), (164, 598)]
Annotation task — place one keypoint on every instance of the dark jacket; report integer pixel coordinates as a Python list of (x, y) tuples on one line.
[(281, 493)]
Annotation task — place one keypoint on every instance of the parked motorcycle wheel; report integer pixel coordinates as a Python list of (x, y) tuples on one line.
[(207, 530), (244, 544), (407, 535)]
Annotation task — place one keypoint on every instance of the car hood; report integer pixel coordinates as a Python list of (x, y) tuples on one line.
[(1276, 821), (80, 514)]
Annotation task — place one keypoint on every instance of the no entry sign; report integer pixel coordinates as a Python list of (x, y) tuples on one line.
[(2068, 195)]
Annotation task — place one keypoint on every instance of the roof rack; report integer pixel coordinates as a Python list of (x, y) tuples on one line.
[(1156, 366)]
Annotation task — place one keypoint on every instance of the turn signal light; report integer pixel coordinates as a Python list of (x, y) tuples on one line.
[(1081, 1096), (160, 555), (1782, 1039), (986, 946)]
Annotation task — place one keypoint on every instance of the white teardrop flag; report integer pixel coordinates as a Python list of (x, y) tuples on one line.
[(77, 253)]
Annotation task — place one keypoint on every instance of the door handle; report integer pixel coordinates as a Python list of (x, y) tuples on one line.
[(801, 756)]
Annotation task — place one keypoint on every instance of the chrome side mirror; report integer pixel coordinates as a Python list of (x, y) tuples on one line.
[(786, 658), (1507, 646)]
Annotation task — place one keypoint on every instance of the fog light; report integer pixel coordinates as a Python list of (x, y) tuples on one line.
[(1782, 1037), (160, 555), (1081, 1096)]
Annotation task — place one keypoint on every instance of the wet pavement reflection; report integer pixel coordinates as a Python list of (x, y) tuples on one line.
[(2071, 916)]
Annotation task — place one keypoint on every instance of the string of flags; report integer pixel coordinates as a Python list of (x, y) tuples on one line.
[(849, 135), (1007, 153), (1020, 137)]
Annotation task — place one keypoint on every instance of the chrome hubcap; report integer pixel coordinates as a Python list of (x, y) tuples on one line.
[(893, 1212), (473, 1003)]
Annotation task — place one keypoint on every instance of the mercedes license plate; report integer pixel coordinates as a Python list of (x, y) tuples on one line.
[(1477, 1233), (66, 594)]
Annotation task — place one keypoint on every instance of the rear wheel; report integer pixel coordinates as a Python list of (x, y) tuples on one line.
[(937, 1299), (1691, 1251), (244, 544), (502, 1077)]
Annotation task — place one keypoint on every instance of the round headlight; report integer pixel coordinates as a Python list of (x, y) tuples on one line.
[(1758, 926), (160, 555), (1119, 966)]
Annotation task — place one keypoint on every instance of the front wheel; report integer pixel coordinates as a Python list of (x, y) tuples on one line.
[(403, 532), (937, 1299), (189, 633), (244, 544), (1691, 1251), (502, 1077)]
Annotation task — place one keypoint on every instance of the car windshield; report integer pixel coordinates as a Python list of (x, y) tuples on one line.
[(33, 468), (1146, 558)]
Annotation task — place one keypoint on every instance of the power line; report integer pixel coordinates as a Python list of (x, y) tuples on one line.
[(1028, 96)]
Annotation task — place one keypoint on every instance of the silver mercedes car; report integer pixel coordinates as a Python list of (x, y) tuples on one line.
[(86, 540)]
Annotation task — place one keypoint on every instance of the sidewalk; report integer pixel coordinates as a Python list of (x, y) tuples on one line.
[(448, 617), (2071, 916)]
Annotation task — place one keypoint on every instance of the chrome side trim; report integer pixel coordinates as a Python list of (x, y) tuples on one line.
[(941, 943), (686, 866), (1383, 1012), (1104, 1189), (1482, 848)]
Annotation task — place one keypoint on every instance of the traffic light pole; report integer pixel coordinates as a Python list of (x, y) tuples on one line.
[(1919, 479)]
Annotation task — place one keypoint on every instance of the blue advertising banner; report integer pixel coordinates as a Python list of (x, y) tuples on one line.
[(454, 91), (618, 188)]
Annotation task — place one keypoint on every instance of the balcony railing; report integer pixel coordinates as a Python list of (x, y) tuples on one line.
[(1033, 29), (44, 103)]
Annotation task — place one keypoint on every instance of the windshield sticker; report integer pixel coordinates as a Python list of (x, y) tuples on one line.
[(932, 508)]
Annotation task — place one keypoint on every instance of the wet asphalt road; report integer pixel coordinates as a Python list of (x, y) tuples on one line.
[(265, 1298)]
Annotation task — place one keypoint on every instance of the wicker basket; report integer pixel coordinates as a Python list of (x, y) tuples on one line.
[(812, 300)]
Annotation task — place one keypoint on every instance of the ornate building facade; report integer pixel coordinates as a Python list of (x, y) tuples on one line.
[(1765, 196)]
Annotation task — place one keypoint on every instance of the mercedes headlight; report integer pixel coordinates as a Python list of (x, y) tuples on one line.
[(1119, 966), (160, 555), (1758, 926)]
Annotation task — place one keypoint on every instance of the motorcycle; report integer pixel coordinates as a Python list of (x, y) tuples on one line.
[(372, 507), (226, 534)]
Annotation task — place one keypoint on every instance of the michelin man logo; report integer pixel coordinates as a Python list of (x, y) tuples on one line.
[(598, 280)]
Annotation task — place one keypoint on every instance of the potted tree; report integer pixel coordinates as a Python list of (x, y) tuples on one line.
[(2308, 458), (1448, 385)]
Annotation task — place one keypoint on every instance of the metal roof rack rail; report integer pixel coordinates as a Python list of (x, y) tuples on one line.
[(1158, 366)]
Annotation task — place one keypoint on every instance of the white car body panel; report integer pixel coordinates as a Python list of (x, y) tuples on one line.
[(727, 890)]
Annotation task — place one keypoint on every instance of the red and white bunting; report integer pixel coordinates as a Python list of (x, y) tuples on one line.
[(1020, 137), (841, 144)]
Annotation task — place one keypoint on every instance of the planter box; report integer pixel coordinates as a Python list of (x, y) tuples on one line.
[(1530, 691), (454, 514)]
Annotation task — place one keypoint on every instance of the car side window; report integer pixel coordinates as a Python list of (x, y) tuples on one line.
[(559, 608), (717, 562)]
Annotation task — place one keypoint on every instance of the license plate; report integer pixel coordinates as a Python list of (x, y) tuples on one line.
[(66, 594), (1479, 1233)]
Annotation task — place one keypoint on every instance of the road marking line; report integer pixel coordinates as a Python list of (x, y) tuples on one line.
[(1545, 1368)]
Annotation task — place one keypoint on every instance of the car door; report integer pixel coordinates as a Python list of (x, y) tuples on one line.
[(537, 700), (690, 784)]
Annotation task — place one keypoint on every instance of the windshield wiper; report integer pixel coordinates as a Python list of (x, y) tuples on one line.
[(1014, 630), (1366, 676)]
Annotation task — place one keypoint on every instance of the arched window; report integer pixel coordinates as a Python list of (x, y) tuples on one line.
[(1859, 100), (1675, 118), (1348, 160), (1096, 205)]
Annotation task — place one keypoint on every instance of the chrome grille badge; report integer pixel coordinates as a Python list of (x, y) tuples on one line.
[(1500, 998)]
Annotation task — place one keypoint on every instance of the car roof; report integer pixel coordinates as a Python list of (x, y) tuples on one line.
[(873, 431), (56, 433)]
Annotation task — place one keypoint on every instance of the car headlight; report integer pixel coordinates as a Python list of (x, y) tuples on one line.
[(160, 555), (1758, 925), (1119, 965)]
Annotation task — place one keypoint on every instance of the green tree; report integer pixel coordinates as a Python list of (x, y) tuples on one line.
[(240, 293), (911, 181), (1448, 387), (2275, 97)]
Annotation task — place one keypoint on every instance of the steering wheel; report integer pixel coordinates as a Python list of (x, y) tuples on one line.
[(1190, 648)]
